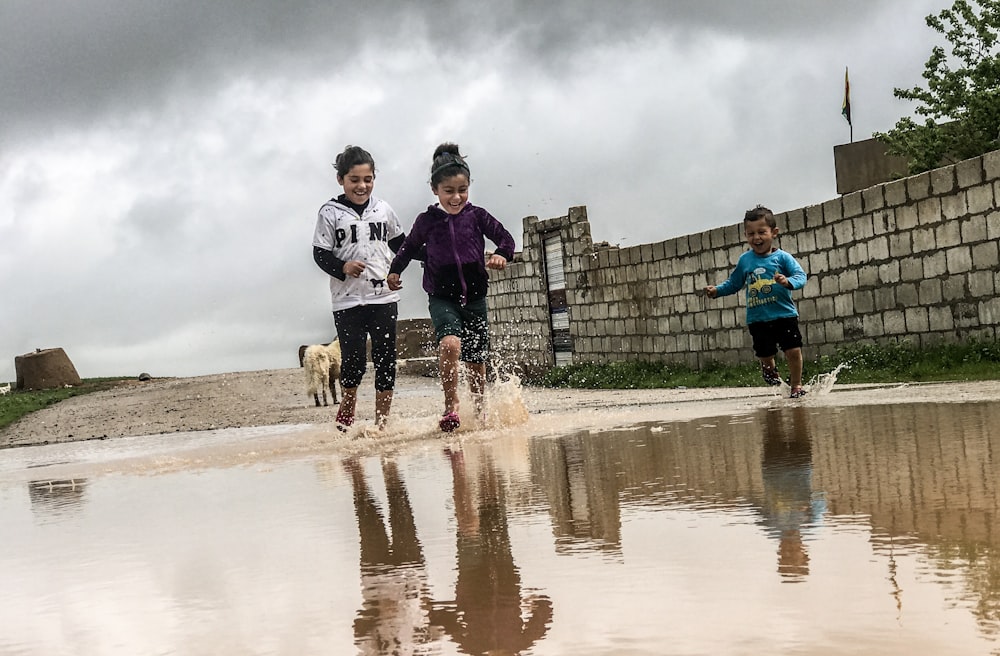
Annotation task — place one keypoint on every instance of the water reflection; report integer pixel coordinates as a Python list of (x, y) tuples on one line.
[(55, 497), (394, 615), (485, 616), (655, 538), (790, 506)]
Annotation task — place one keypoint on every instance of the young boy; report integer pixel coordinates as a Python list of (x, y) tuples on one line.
[(769, 274)]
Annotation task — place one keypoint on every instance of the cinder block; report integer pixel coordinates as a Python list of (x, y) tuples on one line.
[(817, 263), (838, 258), (907, 217), (969, 172), (894, 322), (794, 220), (878, 248), (953, 288), (989, 311), (906, 294), (843, 305), (918, 187), (947, 234), (973, 229), (929, 291), (916, 320), (940, 318), (991, 165), (981, 199), (805, 242), (923, 240), (985, 256), (834, 331), (943, 180), (864, 301), (929, 211), (911, 268), (895, 193), (981, 284), (833, 210), (890, 272), (935, 264), (885, 298), (872, 325), (959, 259), (872, 198), (868, 275), (852, 204), (954, 207), (900, 244), (848, 280), (857, 254)]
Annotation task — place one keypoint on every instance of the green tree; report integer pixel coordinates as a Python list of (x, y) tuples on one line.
[(961, 101)]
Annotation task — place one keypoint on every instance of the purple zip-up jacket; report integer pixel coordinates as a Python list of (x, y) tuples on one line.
[(455, 264)]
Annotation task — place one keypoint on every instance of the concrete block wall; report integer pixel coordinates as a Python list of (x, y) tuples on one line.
[(915, 259), (519, 322)]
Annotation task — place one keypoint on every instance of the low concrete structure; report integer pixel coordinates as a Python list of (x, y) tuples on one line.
[(45, 369), (863, 164)]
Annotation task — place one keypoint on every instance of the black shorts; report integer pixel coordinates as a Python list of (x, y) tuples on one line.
[(769, 335)]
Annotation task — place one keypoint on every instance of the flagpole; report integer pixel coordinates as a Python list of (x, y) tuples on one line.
[(847, 103)]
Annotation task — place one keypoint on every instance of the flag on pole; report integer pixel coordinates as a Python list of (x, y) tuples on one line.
[(846, 111)]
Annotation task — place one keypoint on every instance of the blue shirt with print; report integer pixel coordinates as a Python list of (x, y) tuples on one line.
[(766, 299)]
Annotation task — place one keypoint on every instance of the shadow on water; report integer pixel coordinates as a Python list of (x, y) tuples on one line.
[(674, 538)]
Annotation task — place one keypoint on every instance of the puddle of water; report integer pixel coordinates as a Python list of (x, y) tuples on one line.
[(793, 529)]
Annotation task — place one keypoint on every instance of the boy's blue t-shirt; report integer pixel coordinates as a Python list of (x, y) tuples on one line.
[(766, 299)]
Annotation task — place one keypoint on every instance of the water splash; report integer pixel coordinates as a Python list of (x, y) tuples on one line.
[(823, 383)]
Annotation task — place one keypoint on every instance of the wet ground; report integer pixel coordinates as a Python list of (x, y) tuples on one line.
[(787, 527)]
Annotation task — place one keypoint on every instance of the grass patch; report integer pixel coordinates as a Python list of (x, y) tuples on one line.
[(17, 403), (894, 362)]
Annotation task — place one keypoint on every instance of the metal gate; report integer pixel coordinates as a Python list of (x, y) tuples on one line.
[(555, 280)]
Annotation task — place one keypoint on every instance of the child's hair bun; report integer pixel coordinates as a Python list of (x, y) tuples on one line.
[(446, 148)]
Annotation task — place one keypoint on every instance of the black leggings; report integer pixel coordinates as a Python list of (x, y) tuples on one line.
[(354, 325)]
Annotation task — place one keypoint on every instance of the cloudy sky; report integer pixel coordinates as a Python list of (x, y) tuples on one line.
[(162, 162)]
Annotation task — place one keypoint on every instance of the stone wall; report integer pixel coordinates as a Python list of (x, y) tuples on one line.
[(914, 259)]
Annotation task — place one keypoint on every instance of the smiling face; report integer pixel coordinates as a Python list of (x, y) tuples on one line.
[(452, 193), (760, 236), (358, 183)]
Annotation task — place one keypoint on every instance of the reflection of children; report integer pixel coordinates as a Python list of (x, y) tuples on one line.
[(491, 613), (769, 274), (789, 506), (355, 238), (394, 587), (455, 277)]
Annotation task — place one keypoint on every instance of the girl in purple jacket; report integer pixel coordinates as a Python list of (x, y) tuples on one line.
[(454, 232)]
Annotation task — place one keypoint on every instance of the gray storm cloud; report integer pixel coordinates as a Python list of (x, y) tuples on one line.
[(161, 163)]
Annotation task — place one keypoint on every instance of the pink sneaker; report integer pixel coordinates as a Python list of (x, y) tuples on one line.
[(449, 422)]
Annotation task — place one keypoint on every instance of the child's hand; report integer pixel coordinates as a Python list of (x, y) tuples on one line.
[(782, 280), (710, 291), (394, 282), (354, 268), (498, 262)]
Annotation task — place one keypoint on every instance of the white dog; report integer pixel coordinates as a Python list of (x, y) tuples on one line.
[(4, 389), (322, 365)]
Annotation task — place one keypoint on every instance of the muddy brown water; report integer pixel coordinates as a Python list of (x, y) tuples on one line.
[(790, 529)]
